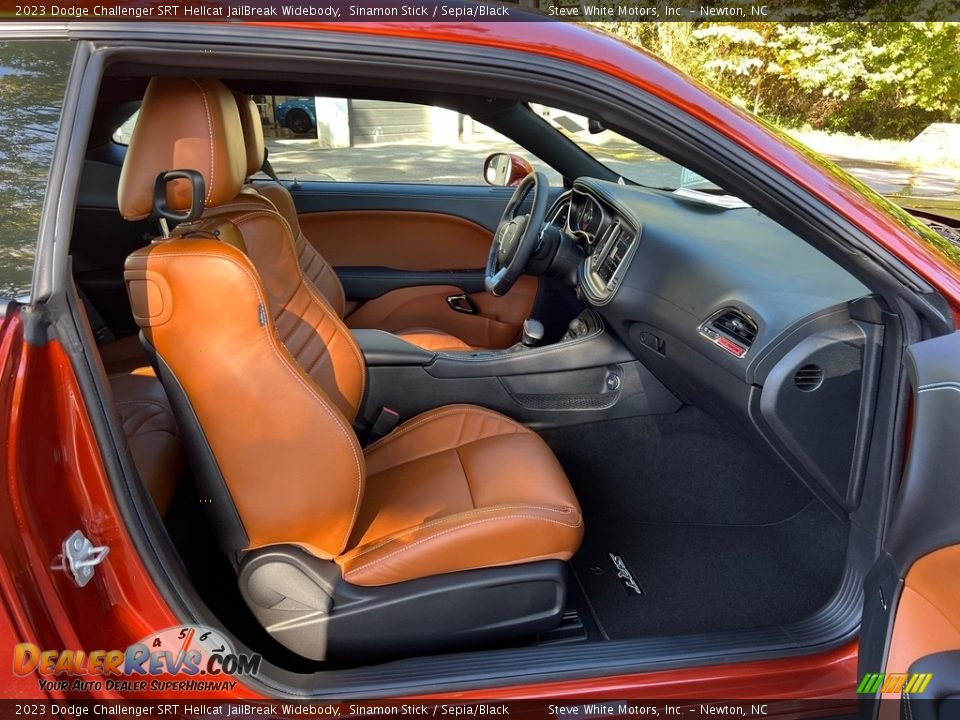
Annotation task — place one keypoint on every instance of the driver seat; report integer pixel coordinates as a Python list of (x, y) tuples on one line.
[(315, 268), (452, 529)]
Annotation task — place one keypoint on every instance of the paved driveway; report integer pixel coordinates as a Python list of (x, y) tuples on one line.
[(423, 163)]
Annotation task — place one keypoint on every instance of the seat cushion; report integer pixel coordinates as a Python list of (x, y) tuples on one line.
[(459, 488), (124, 355), (434, 340), (146, 417), (151, 432)]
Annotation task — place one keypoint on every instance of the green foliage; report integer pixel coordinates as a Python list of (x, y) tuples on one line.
[(880, 79)]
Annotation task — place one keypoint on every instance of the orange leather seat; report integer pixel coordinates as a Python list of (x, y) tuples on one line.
[(457, 488), (147, 418), (315, 268), (273, 380)]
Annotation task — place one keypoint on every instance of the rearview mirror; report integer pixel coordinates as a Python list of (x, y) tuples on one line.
[(505, 169)]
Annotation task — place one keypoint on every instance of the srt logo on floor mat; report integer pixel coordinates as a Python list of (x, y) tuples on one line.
[(626, 577)]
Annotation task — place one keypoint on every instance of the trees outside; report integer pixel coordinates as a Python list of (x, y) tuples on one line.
[(879, 79)]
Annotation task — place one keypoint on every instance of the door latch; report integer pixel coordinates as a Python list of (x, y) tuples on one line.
[(462, 303), (80, 557)]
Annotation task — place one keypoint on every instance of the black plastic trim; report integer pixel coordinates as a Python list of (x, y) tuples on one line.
[(382, 348), (598, 347), (306, 606), (210, 481), (928, 506), (837, 620)]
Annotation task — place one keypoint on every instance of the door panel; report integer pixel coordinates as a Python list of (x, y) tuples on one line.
[(912, 595), (496, 324), (402, 250), (397, 239)]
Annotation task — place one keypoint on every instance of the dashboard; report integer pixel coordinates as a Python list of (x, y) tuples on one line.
[(733, 313), (727, 281)]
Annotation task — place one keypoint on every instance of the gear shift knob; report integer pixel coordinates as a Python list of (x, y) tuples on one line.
[(532, 332)]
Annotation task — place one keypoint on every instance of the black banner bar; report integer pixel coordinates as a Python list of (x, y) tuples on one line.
[(601, 11)]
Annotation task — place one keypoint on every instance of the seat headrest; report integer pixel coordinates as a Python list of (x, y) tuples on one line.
[(252, 132), (184, 124)]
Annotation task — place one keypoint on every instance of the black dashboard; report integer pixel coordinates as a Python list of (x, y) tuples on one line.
[(730, 282), (733, 313)]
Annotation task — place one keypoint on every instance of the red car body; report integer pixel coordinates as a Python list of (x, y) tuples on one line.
[(53, 473)]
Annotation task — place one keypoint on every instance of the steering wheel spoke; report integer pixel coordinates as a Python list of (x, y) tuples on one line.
[(516, 235)]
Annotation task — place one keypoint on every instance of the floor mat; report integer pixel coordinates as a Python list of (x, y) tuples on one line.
[(707, 578), (683, 467), (714, 534)]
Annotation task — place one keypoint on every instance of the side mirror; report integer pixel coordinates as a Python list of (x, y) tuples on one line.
[(505, 169)]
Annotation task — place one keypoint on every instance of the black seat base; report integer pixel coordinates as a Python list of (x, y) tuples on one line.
[(305, 605)]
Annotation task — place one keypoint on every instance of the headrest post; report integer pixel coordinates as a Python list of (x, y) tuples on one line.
[(162, 211)]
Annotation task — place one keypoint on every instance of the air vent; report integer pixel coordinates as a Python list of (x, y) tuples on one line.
[(737, 326), (808, 378)]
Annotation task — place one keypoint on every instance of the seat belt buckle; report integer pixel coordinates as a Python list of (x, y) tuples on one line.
[(386, 421)]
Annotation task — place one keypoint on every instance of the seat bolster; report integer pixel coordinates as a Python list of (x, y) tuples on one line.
[(315, 268), (485, 537), (433, 340), (460, 488), (436, 431)]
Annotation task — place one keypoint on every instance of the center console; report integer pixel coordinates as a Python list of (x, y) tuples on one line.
[(588, 375)]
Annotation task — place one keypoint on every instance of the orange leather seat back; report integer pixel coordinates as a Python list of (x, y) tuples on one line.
[(272, 375), (316, 269)]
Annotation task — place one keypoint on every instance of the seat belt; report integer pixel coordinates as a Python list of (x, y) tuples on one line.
[(267, 168), (386, 421)]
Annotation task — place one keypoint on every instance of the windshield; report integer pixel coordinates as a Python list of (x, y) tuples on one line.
[(629, 159)]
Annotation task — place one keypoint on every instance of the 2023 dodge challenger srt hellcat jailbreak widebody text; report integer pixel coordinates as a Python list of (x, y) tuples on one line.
[(675, 401)]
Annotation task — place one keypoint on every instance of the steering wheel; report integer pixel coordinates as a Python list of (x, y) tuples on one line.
[(516, 235)]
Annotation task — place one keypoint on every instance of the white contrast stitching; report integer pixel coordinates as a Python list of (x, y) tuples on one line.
[(206, 109), (308, 286)]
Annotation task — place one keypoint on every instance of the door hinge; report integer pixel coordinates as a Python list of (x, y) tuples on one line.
[(80, 557)]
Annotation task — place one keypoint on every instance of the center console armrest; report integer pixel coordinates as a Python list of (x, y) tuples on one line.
[(383, 348), (588, 345)]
